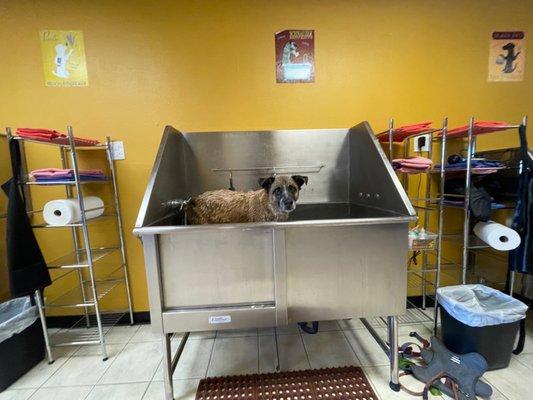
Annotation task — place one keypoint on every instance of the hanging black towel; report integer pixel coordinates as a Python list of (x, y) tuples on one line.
[(521, 258), (25, 262)]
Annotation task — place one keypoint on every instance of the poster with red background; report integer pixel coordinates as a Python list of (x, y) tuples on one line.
[(295, 56)]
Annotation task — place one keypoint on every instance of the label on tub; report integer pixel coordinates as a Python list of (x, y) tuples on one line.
[(220, 319)]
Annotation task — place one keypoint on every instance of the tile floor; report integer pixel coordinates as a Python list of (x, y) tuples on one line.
[(134, 370)]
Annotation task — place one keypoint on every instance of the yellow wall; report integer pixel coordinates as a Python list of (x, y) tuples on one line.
[(208, 65)]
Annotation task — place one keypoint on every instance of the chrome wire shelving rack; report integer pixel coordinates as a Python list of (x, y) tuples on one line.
[(427, 275), (470, 244), (95, 281), (433, 201)]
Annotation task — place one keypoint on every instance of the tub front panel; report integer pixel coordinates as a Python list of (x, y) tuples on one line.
[(219, 267)]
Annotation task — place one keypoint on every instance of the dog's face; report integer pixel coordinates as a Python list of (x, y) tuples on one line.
[(283, 191)]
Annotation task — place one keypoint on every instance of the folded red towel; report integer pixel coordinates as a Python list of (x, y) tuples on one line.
[(403, 132), (39, 132), (480, 127), (47, 135)]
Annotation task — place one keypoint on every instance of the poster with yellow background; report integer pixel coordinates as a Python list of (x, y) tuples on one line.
[(64, 58)]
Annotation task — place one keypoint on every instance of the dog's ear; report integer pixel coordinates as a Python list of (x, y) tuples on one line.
[(265, 183), (300, 180)]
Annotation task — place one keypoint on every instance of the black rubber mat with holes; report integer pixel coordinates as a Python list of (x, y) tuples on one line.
[(344, 383)]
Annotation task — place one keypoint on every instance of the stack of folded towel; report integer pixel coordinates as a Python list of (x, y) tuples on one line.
[(61, 175), (478, 166), (47, 135), (413, 165), (480, 127), (403, 132)]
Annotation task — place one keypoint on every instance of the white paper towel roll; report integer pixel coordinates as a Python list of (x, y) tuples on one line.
[(67, 211), (497, 236)]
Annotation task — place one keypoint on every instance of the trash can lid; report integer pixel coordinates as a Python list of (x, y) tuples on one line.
[(479, 305)]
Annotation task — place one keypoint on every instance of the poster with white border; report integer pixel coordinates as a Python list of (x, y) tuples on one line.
[(507, 56)]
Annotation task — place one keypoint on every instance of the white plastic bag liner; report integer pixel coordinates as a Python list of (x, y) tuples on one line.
[(478, 305), (15, 316)]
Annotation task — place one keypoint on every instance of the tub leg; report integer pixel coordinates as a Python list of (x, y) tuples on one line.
[(392, 325), (167, 367), (277, 348)]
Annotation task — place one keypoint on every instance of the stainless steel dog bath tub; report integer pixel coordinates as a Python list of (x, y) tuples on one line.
[(340, 255)]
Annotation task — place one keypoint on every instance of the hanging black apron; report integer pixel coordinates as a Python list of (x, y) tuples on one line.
[(26, 266), (521, 258)]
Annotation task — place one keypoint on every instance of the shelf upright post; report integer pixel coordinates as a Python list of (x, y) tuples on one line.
[(87, 242), (75, 240), (441, 218), (405, 177), (391, 130), (426, 223), (119, 226), (512, 275), (42, 317), (468, 180)]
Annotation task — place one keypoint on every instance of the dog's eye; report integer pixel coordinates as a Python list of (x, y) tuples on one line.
[(292, 189), (277, 190)]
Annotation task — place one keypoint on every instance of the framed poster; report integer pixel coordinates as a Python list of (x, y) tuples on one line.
[(507, 56), (64, 58), (295, 56)]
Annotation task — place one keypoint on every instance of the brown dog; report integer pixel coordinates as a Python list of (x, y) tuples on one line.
[(273, 202)]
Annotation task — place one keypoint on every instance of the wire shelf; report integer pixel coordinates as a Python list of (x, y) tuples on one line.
[(78, 259), (102, 146), (83, 333), (74, 297), (474, 242), (70, 183), (77, 224), (412, 316)]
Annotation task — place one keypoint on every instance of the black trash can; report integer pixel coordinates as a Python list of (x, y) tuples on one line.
[(476, 318), (21, 340)]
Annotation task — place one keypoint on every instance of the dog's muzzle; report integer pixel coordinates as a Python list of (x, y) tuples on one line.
[(287, 205)]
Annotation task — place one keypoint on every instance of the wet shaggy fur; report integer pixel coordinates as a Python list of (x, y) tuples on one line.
[(228, 206)]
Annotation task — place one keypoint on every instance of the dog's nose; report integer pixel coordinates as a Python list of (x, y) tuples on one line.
[(288, 203)]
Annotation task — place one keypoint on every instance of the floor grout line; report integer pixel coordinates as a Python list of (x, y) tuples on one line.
[(305, 349), (114, 358), (496, 387), (258, 350), (370, 381), (126, 342), (211, 354), (56, 371), (353, 350), (521, 362)]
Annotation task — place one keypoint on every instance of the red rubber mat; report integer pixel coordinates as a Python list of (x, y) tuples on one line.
[(345, 383)]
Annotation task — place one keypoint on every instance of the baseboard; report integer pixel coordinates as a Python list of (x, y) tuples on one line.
[(143, 317), (67, 321), (416, 302)]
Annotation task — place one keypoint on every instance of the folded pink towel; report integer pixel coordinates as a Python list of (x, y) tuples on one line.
[(63, 173), (422, 161), (412, 165)]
